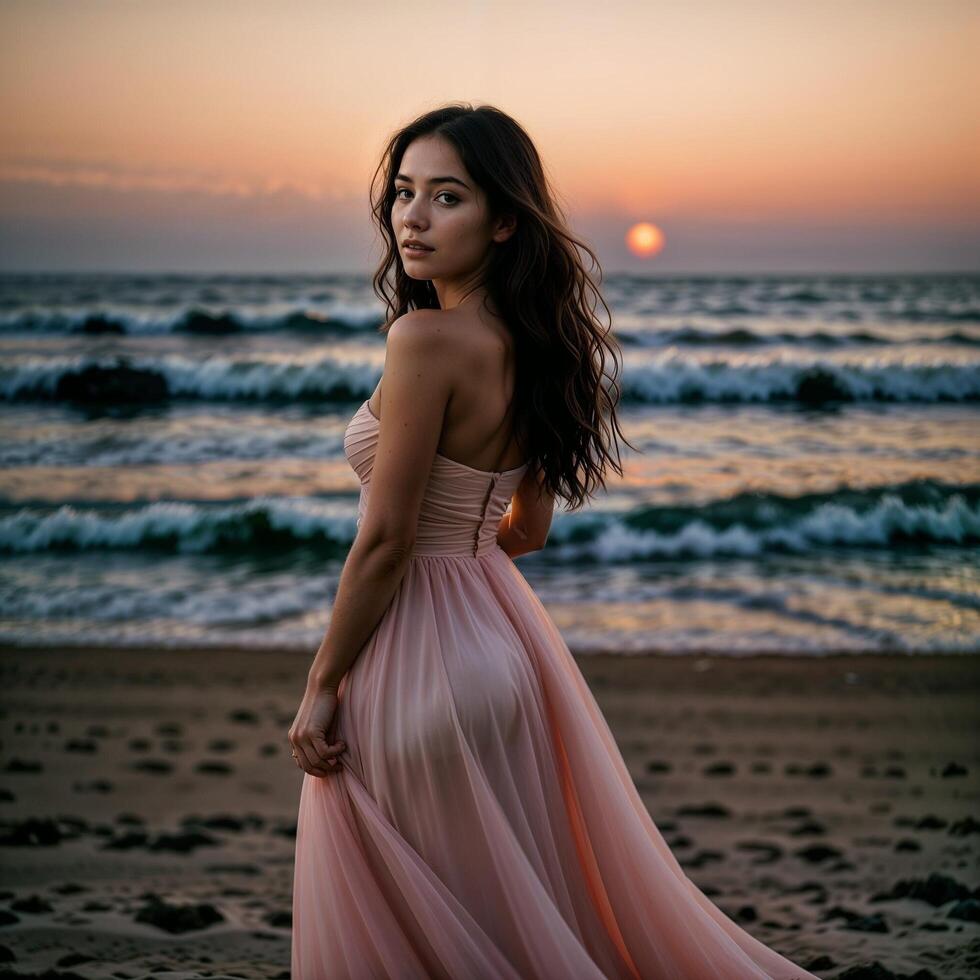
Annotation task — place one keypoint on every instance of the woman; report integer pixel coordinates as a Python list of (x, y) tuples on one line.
[(465, 811)]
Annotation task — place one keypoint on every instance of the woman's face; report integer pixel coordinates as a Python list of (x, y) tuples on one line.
[(438, 203)]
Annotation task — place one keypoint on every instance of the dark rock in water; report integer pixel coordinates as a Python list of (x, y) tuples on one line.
[(658, 765), (856, 920), (334, 325), (280, 920), (34, 905), (953, 769), (99, 324), (7, 955), (704, 810), (177, 918), (8, 918), (967, 909), (931, 822), (817, 386), (130, 819), (907, 844), (937, 889), (201, 322), (816, 853), (115, 384), (746, 913)]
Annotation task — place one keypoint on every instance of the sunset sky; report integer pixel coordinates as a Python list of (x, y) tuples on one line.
[(230, 135)]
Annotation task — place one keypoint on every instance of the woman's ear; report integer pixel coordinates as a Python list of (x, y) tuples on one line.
[(506, 226)]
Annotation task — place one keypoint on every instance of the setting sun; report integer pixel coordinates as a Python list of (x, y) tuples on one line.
[(644, 239)]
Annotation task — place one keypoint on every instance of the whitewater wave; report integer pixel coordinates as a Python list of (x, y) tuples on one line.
[(339, 322), (668, 377), (919, 513)]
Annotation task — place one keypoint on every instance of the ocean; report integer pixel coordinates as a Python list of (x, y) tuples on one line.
[(806, 477)]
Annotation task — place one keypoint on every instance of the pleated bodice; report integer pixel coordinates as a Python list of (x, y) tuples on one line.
[(462, 506)]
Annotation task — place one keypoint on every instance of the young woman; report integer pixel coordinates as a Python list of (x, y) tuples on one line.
[(465, 812)]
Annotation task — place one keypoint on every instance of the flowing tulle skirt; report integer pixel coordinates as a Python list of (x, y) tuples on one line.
[(485, 824)]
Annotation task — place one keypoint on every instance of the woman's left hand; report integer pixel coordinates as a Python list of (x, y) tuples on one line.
[(312, 731)]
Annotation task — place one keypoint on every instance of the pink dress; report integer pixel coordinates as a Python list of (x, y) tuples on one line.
[(485, 825)]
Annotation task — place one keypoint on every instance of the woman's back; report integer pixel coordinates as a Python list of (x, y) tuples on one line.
[(478, 429)]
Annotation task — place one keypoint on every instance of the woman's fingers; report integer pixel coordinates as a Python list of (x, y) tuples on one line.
[(327, 752), (319, 758)]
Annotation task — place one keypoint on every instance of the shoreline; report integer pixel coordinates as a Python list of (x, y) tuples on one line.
[(796, 790)]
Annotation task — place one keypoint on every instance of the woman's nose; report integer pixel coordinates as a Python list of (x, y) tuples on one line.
[(413, 214)]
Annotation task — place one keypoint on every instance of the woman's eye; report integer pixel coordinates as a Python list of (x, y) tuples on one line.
[(398, 191)]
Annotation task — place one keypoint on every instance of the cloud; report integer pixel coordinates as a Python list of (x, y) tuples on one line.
[(112, 175)]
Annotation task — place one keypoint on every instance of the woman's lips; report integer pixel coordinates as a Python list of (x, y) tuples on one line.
[(417, 252)]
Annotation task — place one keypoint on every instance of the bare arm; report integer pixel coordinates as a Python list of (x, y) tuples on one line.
[(416, 390), (525, 526)]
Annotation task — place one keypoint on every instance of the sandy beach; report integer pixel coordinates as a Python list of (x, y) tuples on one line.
[(827, 804)]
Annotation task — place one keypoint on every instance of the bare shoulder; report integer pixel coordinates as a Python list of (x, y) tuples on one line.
[(416, 328), (433, 336)]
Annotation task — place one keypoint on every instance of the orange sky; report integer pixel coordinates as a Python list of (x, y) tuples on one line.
[(232, 134)]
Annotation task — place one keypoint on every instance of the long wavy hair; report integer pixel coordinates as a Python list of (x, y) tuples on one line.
[(564, 398)]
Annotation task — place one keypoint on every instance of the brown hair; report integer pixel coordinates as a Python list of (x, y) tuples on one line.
[(564, 400)]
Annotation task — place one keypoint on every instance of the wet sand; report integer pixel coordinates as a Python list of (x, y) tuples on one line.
[(830, 805)]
